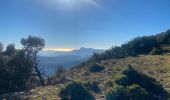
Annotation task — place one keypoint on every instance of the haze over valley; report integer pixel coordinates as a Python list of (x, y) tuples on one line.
[(49, 60)]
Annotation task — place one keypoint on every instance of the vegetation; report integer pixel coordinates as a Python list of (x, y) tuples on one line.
[(19, 71), (133, 85), (156, 51), (32, 45), (137, 46), (96, 68), (18, 68), (75, 91), (133, 92), (92, 85)]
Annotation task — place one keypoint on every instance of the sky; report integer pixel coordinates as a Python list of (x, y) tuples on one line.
[(71, 24)]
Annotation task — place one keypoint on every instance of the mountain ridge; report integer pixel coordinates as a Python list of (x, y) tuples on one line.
[(83, 51), (50, 60)]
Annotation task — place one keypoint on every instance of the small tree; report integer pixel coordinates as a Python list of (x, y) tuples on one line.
[(32, 45), (10, 50)]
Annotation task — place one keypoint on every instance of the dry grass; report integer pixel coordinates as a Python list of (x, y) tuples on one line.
[(154, 66)]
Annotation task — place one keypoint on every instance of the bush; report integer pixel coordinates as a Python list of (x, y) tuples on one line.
[(92, 85), (75, 91), (122, 80), (148, 83), (136, 86), (117, 93), (156, 51), (133, 92), (96, 68)]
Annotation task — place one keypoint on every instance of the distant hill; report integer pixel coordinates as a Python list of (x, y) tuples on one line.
[(83, 52), (50, 60)]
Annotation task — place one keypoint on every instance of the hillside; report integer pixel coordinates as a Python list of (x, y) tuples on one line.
[(50, 60), (145, 61), (155, 66)]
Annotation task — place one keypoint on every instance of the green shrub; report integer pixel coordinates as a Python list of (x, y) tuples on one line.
[(156, 51), (122, 80), (96, 68), (75, 91), (92, 85), (135, 92), (136, 86), (117, 93), (148, 83)]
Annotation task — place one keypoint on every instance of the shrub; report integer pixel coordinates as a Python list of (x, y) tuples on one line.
[(75, 91), (148, 83), (133, 92), (117, 93), (122, 80), (156, 51), (96, 68), (92, 85), (136, 86)]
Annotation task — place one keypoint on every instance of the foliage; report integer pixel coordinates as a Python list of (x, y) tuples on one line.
[(136, 86), (96, 68), (32, 45), (137, 46), (10, 50), (136, 92), (1, 47), (133, 92), (148, 83), (156, 51), (92, 85), (117, 93), (17, 67), (122, 80), (14, 72), (75, 91)]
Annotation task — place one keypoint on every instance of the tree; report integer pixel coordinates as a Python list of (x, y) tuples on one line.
[(10, 50), (32, 45), (1, 47), (19, 71)]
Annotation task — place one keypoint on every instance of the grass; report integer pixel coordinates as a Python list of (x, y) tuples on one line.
[(157, 66)]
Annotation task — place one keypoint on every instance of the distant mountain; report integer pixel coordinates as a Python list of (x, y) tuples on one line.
[(50, 60), (83, 52)]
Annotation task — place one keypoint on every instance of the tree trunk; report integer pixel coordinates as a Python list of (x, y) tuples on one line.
[(39, 76), (37, 70)]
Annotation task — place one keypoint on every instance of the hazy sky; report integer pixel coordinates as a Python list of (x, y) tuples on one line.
[(82, 23)]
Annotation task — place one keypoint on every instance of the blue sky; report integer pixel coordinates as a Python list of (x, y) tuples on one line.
[(82, 23)]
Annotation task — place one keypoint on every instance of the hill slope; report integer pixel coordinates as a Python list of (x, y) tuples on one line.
[(154, 66)]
